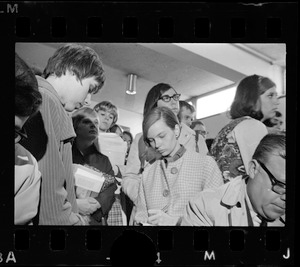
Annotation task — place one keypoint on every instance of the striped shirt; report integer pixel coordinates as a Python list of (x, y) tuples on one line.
[(173, 185), (58, 201)]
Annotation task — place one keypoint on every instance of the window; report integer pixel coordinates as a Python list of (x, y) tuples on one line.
[(215, 103)]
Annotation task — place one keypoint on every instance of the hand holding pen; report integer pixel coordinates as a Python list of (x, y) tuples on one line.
[(160, 217)]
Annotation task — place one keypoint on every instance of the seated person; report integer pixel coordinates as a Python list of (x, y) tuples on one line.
[(27, 176), (86, 123), (168, 184), (257, 199)]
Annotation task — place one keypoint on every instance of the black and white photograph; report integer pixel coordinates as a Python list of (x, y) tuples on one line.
[(149, 134), (144, 134)]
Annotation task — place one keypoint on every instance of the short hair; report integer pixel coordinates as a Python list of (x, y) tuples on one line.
[(185, 104), (27, 96), (247, 96), (270, 144), (83, 61), (129, 134), (195, 123), (108, 107), (80, 114), (114, 128), (154, 115), (153, 96)]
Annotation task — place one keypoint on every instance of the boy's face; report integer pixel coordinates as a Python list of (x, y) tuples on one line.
[(88, 127), (74, 93), (106, 119), (186, 116)]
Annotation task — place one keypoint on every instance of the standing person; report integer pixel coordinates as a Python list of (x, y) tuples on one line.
[(128, 138), (160, 95), (255, 100), (199, 127), (108, 117), (257, 199), (168, 184), (86, 123), (27, 176), (186, 113), (72, 74)]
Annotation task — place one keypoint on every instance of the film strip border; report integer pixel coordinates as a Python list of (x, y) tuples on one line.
[(159, 245), (164, 22)]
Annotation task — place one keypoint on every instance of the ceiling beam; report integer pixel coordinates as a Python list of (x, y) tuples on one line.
[(224, 60)]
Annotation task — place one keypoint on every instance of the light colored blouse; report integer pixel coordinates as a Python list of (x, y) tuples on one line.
[(173, 185), (131, 176)]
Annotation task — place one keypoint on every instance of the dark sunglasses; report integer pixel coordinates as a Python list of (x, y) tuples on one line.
[(273, 180), (167, 98), (19, 135)]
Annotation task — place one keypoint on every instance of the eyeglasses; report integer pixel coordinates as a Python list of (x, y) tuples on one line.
[(19, 135), (277, 186), (167, 98)]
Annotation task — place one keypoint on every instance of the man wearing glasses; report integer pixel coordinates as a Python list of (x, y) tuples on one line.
[(254, 200), (27, 176)]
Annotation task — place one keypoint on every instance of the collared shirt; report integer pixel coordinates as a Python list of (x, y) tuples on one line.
[(176, 156), (51, 134), (223, 206)]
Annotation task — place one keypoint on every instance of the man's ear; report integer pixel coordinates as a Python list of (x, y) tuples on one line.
[(253, 168)]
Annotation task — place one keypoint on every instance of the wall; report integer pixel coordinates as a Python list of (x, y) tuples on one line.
[(215, 123)]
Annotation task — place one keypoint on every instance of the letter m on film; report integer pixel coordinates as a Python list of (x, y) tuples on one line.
[(12, 8), (209, 256)]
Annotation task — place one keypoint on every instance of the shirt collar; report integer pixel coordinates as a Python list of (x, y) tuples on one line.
[(176, 156)]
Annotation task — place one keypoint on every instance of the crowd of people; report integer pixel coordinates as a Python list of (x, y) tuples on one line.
[(169, 174)]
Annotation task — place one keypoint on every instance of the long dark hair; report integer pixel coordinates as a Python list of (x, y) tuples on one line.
[(247, 95), (153, 96)]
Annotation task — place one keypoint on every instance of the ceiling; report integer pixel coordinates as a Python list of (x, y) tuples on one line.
[(192, 69)]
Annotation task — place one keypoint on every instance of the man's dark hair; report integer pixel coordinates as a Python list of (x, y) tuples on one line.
[(185, 104), (270, 144), (83, 61)]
